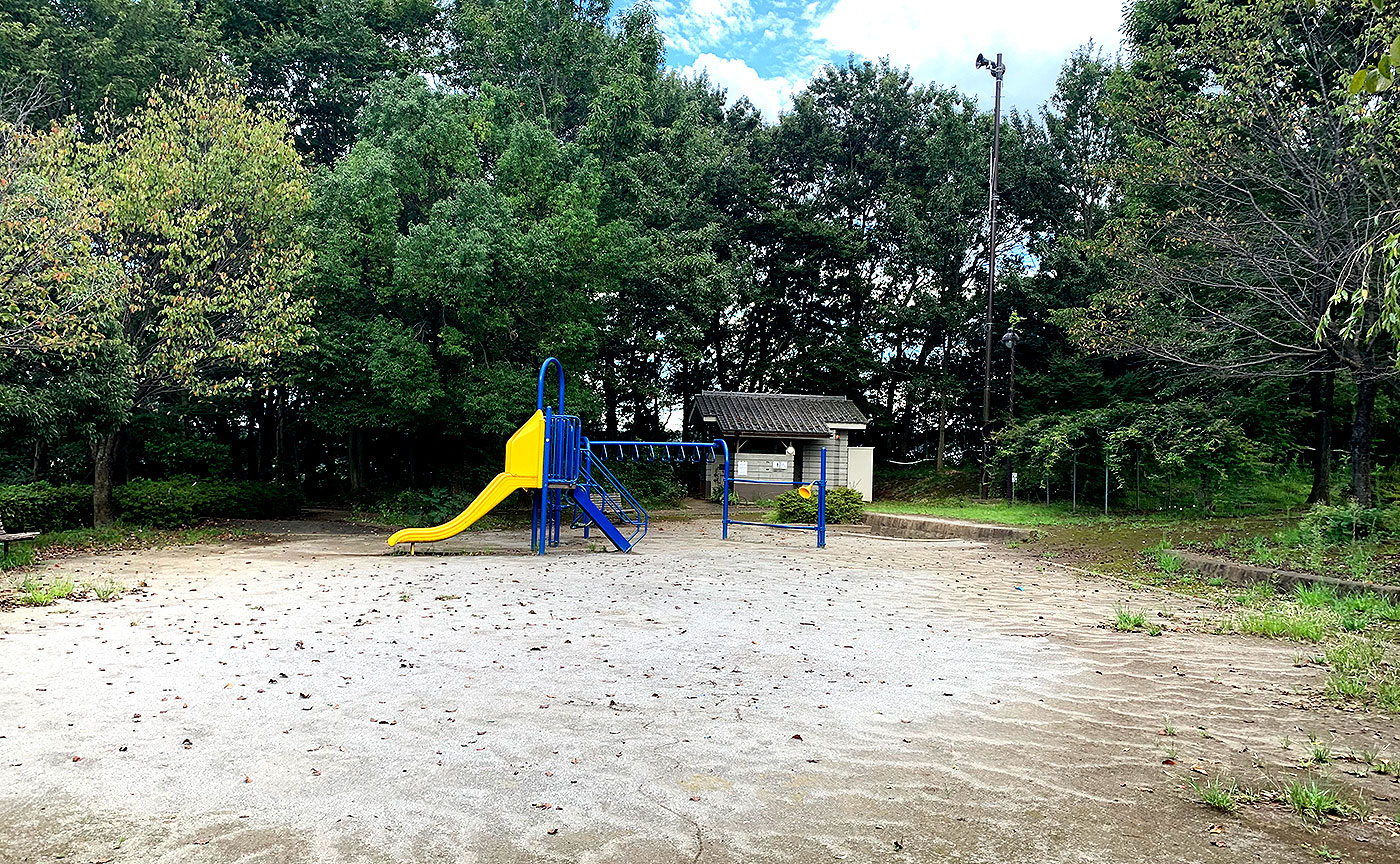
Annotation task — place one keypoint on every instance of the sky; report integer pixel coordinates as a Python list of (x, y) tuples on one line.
[(768, 49)]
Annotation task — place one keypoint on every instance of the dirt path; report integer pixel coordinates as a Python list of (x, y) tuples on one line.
[(750, 701)]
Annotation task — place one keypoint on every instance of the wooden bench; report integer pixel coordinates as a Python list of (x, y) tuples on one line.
[(6, 539)]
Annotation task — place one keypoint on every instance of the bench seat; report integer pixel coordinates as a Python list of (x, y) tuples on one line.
[(6, 538)]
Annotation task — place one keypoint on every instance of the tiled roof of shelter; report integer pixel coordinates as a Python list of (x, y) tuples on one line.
[(777, 413)]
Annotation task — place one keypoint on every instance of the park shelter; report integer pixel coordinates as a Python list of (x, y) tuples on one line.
[(777, 438)]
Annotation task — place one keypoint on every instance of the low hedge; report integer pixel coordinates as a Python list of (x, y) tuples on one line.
[(43, 507), (844, 506), (183, 500), (157, 503)]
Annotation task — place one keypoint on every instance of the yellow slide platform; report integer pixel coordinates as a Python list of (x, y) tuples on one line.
[(524, 470)]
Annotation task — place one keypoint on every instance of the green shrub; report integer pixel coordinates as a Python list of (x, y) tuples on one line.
[(185, 500), (42, 507), (1344, 523), (844, 506), (654, 484), (419, 508)]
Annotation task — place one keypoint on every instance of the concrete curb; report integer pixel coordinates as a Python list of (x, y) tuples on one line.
[(928, 527), (1248, 574)]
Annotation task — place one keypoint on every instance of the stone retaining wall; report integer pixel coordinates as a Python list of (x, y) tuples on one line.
[(1246, 574), (932, 528)]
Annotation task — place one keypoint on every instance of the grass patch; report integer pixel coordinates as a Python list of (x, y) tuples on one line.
[(32, 592), (1217, 793), (1126, 619), (104, 591), (1280, 623), (995, 512), (1168, 562), (1312, 801)]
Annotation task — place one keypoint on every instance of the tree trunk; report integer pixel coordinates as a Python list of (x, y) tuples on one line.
[(1321, 386), (356, 456), (104, 452), (1361, 424), (40, 465), (942, 431)]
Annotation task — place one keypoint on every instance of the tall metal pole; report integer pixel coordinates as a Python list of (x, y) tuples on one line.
[(1010, 340), (998, 70)]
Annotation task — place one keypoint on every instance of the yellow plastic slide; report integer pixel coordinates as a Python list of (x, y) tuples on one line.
[(524, 470)]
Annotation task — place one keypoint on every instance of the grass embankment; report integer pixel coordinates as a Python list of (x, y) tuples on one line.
[(1355, 636), (33, 589)]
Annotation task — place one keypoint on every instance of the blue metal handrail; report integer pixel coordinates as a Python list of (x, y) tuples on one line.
[(562, 448), (626, 509)]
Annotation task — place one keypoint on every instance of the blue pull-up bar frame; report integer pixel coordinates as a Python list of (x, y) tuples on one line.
[(820, 527)]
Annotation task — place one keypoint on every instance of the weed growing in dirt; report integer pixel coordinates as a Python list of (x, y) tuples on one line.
[(104, 591), (1170, 564), (1217, 793), (1359, 671), (1326, 854), (1312, 801), (32, 592), (1321, 753), (1284, 622), (1126, 619)]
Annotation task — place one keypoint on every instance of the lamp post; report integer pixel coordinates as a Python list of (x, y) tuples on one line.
[(1010, 340), (997, 70)]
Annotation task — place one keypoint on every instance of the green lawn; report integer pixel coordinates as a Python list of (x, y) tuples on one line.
[(117, 536), (998, 512)]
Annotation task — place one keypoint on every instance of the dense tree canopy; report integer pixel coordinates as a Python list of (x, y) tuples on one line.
[(328, 242)]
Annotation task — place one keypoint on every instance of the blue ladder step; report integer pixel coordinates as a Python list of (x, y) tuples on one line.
[(585, 503)]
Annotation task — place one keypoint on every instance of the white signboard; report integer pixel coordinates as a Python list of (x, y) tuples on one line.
[(743, 470)]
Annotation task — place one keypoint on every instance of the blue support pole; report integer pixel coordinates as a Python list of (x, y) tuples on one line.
[(535, 520), (724, 496), (544, 467), (821, 505), (587, 479), (558, 513), (723, 445)]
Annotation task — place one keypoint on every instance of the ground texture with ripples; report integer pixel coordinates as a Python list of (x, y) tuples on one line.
[(751, 700)]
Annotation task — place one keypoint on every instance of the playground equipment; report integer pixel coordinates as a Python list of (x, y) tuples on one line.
[(569, 478)]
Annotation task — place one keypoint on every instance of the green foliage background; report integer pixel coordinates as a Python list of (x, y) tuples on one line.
[(327, 245)]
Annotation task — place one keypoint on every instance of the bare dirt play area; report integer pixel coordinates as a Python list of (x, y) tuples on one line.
[(308, 697)]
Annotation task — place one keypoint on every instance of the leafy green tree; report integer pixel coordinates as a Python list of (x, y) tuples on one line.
[(205, 199), (55, 290), (94, 53), (316, 59), (1246, 185)]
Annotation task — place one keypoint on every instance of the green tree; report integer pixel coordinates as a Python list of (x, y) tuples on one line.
[(1246, 186), (205, 200), (93, 53), (55, 290), (316, 59)]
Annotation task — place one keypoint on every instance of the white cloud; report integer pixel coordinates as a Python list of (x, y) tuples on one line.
[(938, 39), (704, 22), (769, 95)]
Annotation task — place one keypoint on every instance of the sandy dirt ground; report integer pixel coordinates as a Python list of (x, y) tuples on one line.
[(312, 699)]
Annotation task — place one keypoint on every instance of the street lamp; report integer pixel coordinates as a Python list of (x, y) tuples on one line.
[(1010, 340), (997, 70)]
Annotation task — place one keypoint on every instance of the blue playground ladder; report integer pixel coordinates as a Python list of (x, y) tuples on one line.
[(603, 501)]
